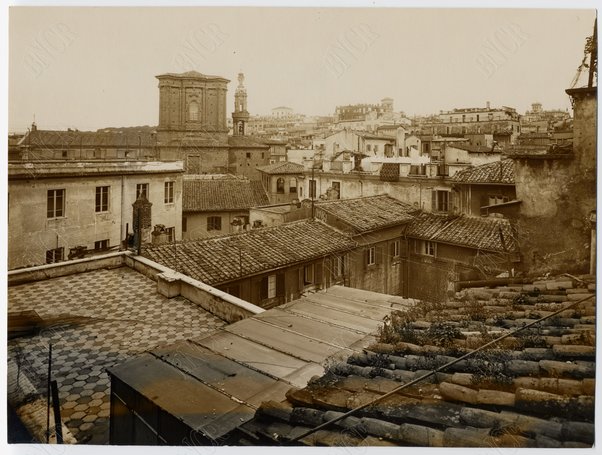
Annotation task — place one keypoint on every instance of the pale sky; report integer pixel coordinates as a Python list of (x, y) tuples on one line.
[(89, 68)]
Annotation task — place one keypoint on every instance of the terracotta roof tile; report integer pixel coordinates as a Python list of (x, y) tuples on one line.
[(227, 194), (87, 139), (508, 395), (498, 172), (470, 231), (369, 213), (221, 259)]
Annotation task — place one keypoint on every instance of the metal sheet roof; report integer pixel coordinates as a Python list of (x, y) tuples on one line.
[(214, 383)]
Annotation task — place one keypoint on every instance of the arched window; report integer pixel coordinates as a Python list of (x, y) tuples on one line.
[(193, 111), (280, 185)]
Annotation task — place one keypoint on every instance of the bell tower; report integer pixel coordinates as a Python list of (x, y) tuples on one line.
[(240, 116)]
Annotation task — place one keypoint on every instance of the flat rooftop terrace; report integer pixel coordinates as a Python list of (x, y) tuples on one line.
[(93, 320)]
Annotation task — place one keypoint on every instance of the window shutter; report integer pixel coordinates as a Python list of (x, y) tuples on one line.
[(263, 288), (434, 200), (378, 255), (280, 284), (318, 273)]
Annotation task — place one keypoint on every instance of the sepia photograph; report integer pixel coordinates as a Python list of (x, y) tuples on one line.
[(347, 226)]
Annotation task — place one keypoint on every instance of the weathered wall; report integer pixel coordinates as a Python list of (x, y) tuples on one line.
[(244, 161), (385, 276), (557, 198), (31, 233)]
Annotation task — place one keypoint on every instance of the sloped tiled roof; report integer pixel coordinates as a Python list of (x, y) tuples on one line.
[(498, 172), (533, 389), (222, 259), (223, 194), (282, 167), (368, 213), (482, 233), (89, 139)]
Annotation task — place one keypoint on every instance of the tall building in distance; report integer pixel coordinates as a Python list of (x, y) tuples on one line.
[(240, 116), (192, 101)]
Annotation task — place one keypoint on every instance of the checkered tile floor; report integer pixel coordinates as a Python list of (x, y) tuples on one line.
[(98, 319)]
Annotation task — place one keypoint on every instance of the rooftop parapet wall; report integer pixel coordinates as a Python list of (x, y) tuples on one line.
[(169, 283)]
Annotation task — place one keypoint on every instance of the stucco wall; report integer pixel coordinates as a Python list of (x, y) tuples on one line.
[(31, 233)]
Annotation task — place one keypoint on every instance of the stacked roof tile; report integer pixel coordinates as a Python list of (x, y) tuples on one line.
[(222, 259), (222, 194), (89, 139), (497, 172), (369, 213), (489, 234), (533, 389)]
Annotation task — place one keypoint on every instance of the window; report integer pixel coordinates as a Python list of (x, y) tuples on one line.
[(168, 197), (101, 244), (312, 189), (440, 200), (142, 190), (426, 247), (337, 186), (308, 274), (292, 185), (55, 207), (478, 119), (248, 154), (368, 147), (375, 148), (193, 111), (370, 256), (271, 286), (339, 266), (171, 233), (102, 199), (395, 249), (214, 223), (280, 185), (54, 255), (184, 223)]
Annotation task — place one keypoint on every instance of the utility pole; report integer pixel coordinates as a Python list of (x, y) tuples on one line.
[(593, 52)]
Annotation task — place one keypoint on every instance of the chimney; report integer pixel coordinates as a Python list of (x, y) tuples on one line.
[(488, 104), (34, 127)]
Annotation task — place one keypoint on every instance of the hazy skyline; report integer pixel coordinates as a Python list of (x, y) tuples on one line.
[(89, 68)]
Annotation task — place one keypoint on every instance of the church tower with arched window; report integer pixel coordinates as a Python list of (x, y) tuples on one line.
[(240, 116)]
